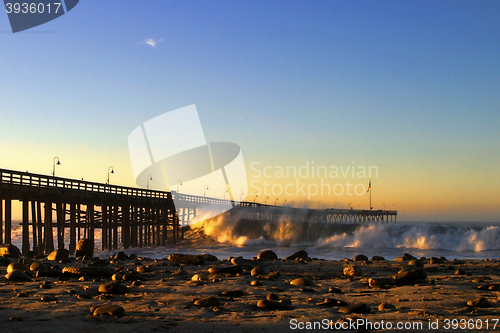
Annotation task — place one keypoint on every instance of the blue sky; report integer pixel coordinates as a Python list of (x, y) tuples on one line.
[(411, 87)]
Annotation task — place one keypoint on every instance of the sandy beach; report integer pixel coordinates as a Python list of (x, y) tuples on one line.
[(305, 294)]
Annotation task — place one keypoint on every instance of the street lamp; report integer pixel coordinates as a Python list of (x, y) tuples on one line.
[(265, 199), (275, 201), (150, 177), (110, 170), (284, 202), (254, 196), (225, 191), (241, 195), (54, 165), (179, 182), (205, 188)]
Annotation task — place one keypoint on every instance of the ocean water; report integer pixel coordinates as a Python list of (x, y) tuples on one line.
[(224, 238)]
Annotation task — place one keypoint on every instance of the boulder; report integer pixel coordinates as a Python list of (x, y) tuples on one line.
[(381, 282), (16, 265), (187, 259), (409, 275), (378, 258), (299, 254), (256, 271), (38, 266), (360, 257), (59, 254), (121, 256), (408, 257), (18, 276), (9, 250), (84, 247), (267, 255), (416, 263), (209, 257)]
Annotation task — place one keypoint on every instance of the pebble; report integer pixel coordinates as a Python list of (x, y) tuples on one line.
[(330, 302), (273, 305), (199, 277), (207, 302), (256, 283), (460, 271), (381, 282), (301, 282), (48, 298), (272, 297), (352, 271), (240, 261), (335, 290), (386, 306), (258, 271), (267, 255), (109, 310), (360, 308), (233, 293), (233, 270), (113, 288), (479, 302)]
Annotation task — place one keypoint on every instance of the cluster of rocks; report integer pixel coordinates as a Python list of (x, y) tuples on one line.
[(120, 274)]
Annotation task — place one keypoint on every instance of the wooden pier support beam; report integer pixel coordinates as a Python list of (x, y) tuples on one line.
[(1, 221), (34, 226), (8, 221), (25, 227), (61, 214), (126, 226), (48, 236), (72, 227)]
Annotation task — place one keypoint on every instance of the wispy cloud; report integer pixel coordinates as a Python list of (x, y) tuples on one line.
[(152, 42)]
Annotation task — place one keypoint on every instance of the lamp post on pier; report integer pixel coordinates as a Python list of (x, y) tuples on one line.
[(205, 188), (178, 184), (54, 165), (150, 177), (110, 170)]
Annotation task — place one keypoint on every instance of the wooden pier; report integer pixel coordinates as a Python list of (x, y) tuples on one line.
[(125, 216)]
